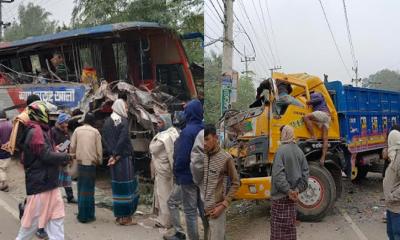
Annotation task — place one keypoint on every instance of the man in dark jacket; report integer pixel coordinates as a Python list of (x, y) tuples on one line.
[(41, 164), (182, 173)]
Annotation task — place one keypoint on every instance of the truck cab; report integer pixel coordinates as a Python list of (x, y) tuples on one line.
[(252, 137)]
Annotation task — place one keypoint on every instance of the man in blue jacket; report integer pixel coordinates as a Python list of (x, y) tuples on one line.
[(183, 175)]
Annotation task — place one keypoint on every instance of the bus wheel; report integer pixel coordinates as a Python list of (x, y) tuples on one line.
[(319, 198)]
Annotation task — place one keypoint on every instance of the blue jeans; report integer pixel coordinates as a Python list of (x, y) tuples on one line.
[(393, 225), (190, 201), (175, 199)]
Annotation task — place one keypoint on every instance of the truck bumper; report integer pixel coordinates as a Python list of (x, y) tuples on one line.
[(254, 188)]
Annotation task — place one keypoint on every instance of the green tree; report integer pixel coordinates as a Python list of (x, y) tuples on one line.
[(33, 20), (181, 15), (385, 79), (212, 89)]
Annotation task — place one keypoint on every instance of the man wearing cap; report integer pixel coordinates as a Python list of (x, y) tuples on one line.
[(60, 134)]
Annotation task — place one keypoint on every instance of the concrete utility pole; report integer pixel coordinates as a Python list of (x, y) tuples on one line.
[(228, 37), (274, 69), (246, 62), (356, 80), (3, 24)]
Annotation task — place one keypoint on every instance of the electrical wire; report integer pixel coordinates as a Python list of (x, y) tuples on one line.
[(217, 11), (333, 38), (272, 30), (353, 55), (255, 34), (265, 32)]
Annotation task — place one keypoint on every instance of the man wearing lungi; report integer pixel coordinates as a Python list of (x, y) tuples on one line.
[(289, 178), (87, 150)]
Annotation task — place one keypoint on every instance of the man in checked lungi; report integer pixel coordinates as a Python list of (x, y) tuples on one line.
[(289, 178)]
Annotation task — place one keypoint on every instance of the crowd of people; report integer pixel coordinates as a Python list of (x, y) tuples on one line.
[(190, 169), (50, 156)]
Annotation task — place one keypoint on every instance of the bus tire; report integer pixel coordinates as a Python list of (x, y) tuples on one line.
[(320, 196)]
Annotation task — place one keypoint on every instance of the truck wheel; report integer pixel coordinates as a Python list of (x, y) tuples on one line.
[(319, 198), (358, 173)]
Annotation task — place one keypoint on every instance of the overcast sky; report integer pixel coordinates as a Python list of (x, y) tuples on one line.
[(303, 40), (61, 10)]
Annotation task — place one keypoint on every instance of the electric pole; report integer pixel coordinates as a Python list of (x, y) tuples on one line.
[(246, 62), (3, 24), (274, 69), (356, 80), (228, 37)]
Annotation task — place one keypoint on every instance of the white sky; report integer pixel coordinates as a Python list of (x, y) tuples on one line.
[(303, 39), (61, 10)]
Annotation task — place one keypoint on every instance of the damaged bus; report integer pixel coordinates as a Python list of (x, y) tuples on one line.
[(85, 69)]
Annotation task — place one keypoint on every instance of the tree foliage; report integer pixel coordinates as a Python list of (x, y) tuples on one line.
[(33, 20), (181, 15), (212, 89), (385, 79)]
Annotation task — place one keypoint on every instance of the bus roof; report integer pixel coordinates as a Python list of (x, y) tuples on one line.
[(101, 29)]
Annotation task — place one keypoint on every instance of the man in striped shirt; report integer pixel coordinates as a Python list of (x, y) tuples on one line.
[(221, 182)]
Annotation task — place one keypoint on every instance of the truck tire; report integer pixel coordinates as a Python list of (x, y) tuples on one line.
[(320, 196), (359, 173)]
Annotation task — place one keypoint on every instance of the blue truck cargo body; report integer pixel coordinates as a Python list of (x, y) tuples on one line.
[(365, 115)]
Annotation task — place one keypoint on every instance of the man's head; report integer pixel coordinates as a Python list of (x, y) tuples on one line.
[(164, 122), (38, 112), (287, 134), (90, 119), (395, 127), (210, 138), (194, 111), (63, 120), (57, 59), (179, 119), (32, 98)]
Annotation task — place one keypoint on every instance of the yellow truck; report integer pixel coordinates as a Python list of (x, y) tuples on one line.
[(252, 138)]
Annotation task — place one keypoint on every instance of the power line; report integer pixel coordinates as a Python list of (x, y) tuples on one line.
[(212, 30), (272, 31), (255, 34), (216, 22), (265, 31), (349, 36), (220, 6), (217, 11), (333, 38), (251, 42), (247, 35)]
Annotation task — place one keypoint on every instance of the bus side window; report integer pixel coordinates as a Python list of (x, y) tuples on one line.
[(16, 64), (171, 79), (35, 62), (121, 61)]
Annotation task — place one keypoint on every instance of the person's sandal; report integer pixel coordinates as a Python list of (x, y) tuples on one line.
[(41, 234), (127, 221)]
